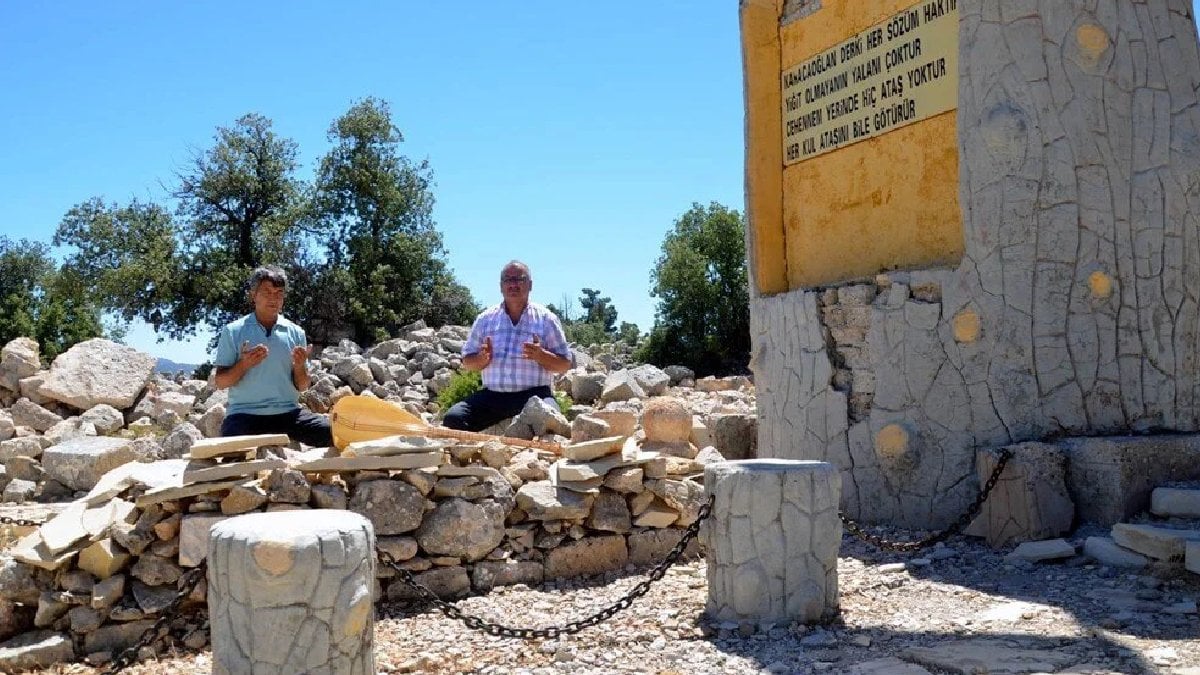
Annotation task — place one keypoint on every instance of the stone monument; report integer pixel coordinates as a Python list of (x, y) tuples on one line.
[(972, 223), (773, 540), (291, 592)]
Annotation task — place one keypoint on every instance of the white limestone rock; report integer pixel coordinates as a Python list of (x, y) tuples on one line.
[(1177, 502), (79, 463), (18, 359), (1106, 552), (98, 371), (105, 418), (1038, 551), (26, 413)]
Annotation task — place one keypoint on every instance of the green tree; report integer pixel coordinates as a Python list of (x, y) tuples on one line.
[(42, 302), (374, 207), (598, 310), (703, 315), (239, 207)]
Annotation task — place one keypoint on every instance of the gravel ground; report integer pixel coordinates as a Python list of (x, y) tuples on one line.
[(931, 611)]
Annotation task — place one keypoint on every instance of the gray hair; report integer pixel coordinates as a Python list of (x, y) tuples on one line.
[(270, 273), (516, 263)]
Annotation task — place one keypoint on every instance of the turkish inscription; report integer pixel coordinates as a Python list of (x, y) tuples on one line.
[(895, 73)]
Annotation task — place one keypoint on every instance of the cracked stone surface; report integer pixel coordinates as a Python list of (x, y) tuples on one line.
[(291, 592), (773, 540), (1073, 310)]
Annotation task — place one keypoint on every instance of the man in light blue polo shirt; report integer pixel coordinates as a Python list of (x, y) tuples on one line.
[(518, 345), (262, 358)]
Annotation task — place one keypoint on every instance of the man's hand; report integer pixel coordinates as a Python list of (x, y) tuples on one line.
[(300, 357), (485, 353), (533, 349), (252, 356), (480, 359)]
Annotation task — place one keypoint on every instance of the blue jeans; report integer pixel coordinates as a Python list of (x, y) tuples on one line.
[(486, 407), (299, 424)]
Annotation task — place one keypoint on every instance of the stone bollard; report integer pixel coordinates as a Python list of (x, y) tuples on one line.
[(290, 592), (772, 540)]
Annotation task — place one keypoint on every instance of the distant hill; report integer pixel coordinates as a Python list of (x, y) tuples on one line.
[(169, 366)]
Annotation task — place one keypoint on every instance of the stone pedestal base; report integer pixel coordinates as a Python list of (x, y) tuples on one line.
[(290, 592), (772, 540)]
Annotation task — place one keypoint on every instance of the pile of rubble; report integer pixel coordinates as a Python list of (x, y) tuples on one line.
[(131, 465), (100, 404)]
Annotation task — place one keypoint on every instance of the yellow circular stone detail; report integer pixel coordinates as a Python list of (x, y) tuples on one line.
[(1092, 40), (1101, 284), (274, 557), (892, 440), (356, 618), (967, 326)]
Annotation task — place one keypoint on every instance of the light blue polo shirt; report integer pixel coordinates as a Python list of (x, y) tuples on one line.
[(265, 389)]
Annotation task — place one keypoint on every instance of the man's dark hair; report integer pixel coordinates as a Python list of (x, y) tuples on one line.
[(270, 273)]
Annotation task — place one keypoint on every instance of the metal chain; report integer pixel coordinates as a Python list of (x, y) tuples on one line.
[(21, 522), (130, 654), (956, 527), (570, 628)]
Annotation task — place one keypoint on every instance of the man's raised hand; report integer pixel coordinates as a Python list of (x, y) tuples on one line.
[(252, 356), (485, 351), (300, 356), (533, 349)]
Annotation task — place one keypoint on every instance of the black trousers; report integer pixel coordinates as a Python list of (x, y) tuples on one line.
[(486, 407), (300, 425)]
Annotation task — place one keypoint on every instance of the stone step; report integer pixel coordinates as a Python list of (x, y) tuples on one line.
[(1159, 543), (1106, 552), (1175, 502)]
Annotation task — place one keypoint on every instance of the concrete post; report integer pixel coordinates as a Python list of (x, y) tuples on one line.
[(291, 592), (772, 540)]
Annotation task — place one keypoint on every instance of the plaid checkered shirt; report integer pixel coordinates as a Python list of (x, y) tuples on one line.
[(509, 369)]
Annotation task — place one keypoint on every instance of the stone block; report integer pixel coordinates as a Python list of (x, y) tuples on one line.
[(445, 582), (1106, 552), (115, 637), (1191, 557), (393, 507), (79, 463), (620, 385), (26, 413), (587, 556), (103, 558), (35, 650), (1159, 543), (1180, 503), (487, 575), (734, 435), (650, 547), (462, 529), (541, 500), (1112, 478), (610, 513), (292, 592), (621, 422), (194, 531), (772, 540), (667, 420), (1030, 502), (586, 387)]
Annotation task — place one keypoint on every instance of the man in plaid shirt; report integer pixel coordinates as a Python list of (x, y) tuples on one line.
[(518, 345)]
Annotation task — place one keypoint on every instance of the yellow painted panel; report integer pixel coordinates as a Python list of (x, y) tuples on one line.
[(764, 154), (887, 202)]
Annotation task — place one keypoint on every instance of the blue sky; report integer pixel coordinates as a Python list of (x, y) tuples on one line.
[(570, 135)]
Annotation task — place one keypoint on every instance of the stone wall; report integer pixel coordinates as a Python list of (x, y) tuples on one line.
[(484, 515), (1074, 310)]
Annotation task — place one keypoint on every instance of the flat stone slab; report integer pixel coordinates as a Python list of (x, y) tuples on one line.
[(1176, 502), (595, 449), (418, 460), (208, 448), (392, 445), (198, 472), (1037, 551), (98, 371), (193, 537), (969, 657), (1159, 543), (1106, 552)]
